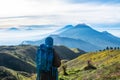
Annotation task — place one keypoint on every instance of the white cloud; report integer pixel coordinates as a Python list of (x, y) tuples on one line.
[(56, 12)]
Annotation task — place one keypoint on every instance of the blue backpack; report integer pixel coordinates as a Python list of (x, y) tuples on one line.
[(44, 59)]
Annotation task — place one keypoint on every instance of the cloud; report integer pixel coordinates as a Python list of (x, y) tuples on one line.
[(25, 12)]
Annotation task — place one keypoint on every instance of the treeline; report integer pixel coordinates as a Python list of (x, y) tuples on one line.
[(111, 48)]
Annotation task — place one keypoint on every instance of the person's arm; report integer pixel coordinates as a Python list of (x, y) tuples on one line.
[(57, 60)]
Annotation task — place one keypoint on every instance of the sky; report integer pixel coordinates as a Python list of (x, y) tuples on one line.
[(100, 14), (58, 12)]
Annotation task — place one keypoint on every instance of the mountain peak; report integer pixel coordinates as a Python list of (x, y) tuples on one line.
[(13, 29), (64, 28), (68, 26), (82, 26), (105, 32)]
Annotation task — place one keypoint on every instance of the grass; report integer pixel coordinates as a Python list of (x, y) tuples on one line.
[(107, 63), (19, 61), (6, 74)]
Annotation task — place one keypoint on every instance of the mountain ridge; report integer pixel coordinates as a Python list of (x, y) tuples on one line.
[(76, 43), (84, 33), (92, 36)]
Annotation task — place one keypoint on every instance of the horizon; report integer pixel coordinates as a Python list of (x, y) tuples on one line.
[(109, 28)]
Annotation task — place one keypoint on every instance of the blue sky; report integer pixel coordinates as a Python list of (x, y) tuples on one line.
[(58, 12)]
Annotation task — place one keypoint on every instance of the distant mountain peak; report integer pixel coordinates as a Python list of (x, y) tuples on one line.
[(105, 32), (82, 26), (69, 26), (64, 28), (13, 29)]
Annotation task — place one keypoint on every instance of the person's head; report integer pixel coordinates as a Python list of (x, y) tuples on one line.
[(49, 41)]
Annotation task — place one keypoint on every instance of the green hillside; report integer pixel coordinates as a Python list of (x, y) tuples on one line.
[(77, 50), (68, 54), (107, 63), (20, 60), (18, 63), (9, 74)]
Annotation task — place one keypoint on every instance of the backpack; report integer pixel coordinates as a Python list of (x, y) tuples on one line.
[(44, 58)]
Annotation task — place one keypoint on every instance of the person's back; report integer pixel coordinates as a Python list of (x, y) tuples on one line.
[(47, 61)]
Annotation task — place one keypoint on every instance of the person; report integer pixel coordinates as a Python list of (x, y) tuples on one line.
[(47, 61)]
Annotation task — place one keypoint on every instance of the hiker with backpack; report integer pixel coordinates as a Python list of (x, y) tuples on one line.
[(47, 61)]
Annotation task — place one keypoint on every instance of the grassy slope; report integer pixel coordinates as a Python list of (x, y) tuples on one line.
[(107, 63), (17, 58), (22, 58), (66, 53), (24, 53), (78, 51), (14, 63), (9, 74)]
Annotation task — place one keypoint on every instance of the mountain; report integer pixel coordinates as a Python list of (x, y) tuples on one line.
[(13, 29), (107, 65), (15, 63), (86, 33), (77, 50), (16, 57), (36, 27), (110, 35), (66, 53), (76, 43), (18, 62), (9, 74), (81, 36), (63, 29), (24, 55)]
